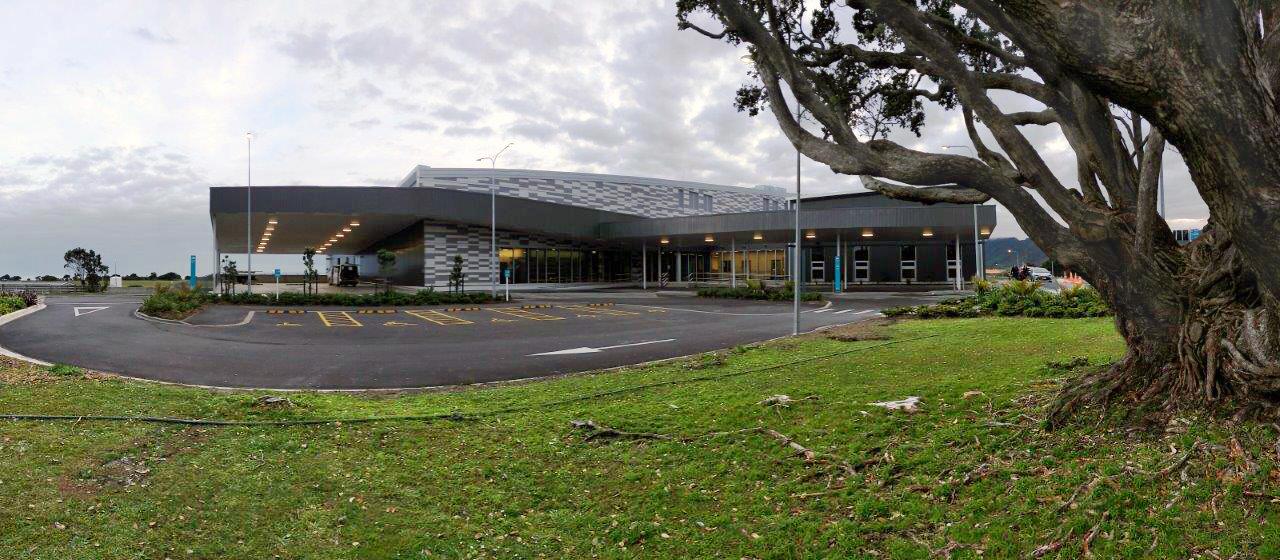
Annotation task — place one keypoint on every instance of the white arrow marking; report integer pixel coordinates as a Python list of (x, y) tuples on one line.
[(864, 311), (590, 350), (843, 311), (87, 310), (823, 310)]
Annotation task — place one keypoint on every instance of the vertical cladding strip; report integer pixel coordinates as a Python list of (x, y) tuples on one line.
[(442, 242)]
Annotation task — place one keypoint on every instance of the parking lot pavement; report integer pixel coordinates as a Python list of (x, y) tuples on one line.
[(381, 348)]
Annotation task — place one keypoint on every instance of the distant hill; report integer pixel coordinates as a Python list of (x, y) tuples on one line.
[(1004, 252)]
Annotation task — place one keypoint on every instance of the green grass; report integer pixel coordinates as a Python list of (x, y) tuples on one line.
[(527, 484)]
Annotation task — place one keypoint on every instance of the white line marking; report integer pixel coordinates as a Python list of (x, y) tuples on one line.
[(87, 310), (823, 310), (843, 311), (864, 311), (590, 350)]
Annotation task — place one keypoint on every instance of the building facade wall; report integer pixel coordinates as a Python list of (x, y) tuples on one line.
[(639, 197), (441, 241)]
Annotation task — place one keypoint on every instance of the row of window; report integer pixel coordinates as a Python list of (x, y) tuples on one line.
[(693, 199)]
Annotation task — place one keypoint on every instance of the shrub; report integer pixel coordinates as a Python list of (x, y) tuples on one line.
[(421, 297), (759, 293), (1013, 299), (13, 301), (175, 302)]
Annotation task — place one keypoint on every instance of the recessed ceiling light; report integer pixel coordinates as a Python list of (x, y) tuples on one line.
[(758, 236), (346, 229), (272, 221), (355, 223), (340, 235)]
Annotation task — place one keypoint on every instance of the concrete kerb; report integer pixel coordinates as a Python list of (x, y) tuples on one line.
[(11, 317), (140, 315)]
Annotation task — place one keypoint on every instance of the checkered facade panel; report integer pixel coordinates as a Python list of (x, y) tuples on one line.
[(442, 241), (651, 200)]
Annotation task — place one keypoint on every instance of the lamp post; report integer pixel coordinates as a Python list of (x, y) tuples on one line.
[(493, 219), (248, 220), (796, 279)]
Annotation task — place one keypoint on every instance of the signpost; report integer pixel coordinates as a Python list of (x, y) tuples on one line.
[(838, 285), (191, 282), (506, 281), (277, 284), (1193, 234)]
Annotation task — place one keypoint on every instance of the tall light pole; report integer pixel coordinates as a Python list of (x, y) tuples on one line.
[(796, 279), (493, 219), (248, 220)]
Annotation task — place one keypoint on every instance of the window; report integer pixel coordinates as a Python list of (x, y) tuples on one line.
[(907, 266)]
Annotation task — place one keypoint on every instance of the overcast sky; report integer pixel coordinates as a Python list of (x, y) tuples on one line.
[(116, 118)]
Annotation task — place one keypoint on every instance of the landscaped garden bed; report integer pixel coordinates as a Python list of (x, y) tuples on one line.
[(180, 302), (15, 301), (756, 290), (1012, 299)]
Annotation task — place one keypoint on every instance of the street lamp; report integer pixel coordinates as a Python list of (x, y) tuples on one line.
[(248, 220), (796, 280), (493, 218)]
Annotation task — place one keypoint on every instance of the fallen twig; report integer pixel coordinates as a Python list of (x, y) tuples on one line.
[(1180, 462), (598, 431)]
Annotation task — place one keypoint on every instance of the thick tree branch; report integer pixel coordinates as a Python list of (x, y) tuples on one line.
[(1045, 117), (955, 194), (1148, 191)]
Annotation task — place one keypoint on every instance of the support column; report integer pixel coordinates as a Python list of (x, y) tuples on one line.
[(644, 266), (959, 265), (679, 277), (838, 269), (733, 263)]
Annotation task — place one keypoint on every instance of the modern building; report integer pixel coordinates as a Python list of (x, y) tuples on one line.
[(562, 227)]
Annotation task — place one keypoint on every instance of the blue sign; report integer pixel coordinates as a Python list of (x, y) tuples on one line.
[(1193, 234), (839, 277), (277, 275), (191, 280)]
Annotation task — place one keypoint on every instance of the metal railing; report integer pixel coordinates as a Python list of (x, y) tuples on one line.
[(42, 287)]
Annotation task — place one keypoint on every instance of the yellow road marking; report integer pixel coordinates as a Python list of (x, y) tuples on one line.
[(438, 317), (596, 310), (337, 319), (525, 314)]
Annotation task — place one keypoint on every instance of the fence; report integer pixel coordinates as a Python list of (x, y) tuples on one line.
[(41, 287)]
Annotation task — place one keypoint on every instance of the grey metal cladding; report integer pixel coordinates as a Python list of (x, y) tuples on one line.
[(638, 196), (838, 218)]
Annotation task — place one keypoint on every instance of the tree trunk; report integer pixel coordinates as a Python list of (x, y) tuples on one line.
[(1200, 337)]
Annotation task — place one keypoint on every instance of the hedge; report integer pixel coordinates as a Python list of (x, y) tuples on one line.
[(1013, 299)]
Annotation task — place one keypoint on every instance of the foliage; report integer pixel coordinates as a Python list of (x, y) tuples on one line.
[(421, 297), (175, 302), (456, 278), (386, 263), (974, 477), (229, 274), (761, 293), (86, 268), (309, 275), (9, 304), (1017, 298)]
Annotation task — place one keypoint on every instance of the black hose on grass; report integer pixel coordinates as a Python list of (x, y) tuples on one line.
[(455, 416)]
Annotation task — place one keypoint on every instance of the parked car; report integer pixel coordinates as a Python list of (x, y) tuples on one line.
[(1040, 274)]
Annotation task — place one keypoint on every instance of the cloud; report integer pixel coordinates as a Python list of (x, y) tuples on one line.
[(153, 36)]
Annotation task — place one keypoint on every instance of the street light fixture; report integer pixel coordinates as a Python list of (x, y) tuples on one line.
[(248, 220), (493, 218)]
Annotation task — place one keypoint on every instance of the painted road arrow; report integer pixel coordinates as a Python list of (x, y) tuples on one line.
[(87, 310), (590, 350)]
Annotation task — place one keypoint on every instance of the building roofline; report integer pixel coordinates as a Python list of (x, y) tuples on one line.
[(423, 171)]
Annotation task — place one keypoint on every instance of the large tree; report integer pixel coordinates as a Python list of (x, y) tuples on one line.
[(1119, 80)]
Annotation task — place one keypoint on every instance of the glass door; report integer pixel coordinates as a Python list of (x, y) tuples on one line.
[(907, 263)]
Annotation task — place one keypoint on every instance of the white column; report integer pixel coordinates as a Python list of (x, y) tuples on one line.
[(644, 266), (733, 264), (679, 277)]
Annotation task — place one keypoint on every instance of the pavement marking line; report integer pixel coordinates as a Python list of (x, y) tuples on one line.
[(596, 350), (438, 317), (864, 311), (398, 324), (337, 319), (525, 314), (843, 311), (288, 324), (598, 310), (823, 310), (87, 310)]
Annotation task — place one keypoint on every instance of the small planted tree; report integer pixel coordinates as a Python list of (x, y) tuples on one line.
[(309, 274), (229, 274), (386, 262), (455, 275), (86, 268)]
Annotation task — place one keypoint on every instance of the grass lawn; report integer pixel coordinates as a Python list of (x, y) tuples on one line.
[(965, 477)]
